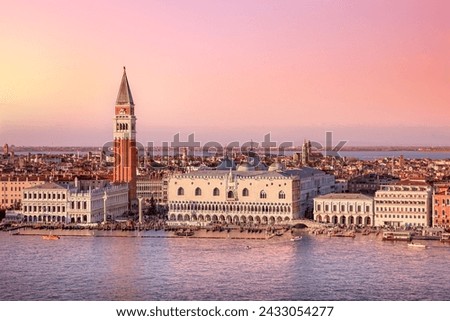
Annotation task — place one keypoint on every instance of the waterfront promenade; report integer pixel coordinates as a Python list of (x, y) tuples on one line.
[(214, 231)]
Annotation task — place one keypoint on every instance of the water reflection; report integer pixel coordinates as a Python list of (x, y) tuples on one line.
[(315, 268)]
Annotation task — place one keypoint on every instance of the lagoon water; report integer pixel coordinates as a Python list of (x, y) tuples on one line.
[(362, 155), (130, 268), (373, 155)]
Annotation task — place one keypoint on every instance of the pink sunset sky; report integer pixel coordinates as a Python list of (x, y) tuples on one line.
[(372, 72)]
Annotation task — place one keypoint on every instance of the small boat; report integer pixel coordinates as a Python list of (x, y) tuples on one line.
[(342, 234), (296, 238), (412, 244), (445, 237), (50, 237), (184, 233)]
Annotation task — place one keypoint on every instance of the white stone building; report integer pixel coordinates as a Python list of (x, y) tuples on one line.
[(51, 202), (154, 185), (245, 195), (346, 209), (403, 204), (88, 206)]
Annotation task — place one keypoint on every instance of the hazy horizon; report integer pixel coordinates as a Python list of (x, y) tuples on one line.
[(375, 73)]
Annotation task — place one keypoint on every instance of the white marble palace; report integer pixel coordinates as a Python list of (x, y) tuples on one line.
[(74, 203), (245, 195)]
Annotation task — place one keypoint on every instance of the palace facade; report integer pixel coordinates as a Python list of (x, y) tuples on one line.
[(245, 195), (345, 209)]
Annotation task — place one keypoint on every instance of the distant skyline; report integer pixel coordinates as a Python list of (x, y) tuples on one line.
[(372, 72)]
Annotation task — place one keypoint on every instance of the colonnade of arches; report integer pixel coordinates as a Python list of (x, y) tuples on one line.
[(222, 218), (42, 218), (345, 219), (272, 208)]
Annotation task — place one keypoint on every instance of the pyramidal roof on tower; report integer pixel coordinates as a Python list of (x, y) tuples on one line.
[(124, 96)]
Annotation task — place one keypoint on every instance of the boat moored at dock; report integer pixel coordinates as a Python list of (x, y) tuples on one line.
[(445, 237), (341, 234), (397, 236), (50, 237)]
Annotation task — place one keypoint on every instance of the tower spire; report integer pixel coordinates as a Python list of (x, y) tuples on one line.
[(124, 96)]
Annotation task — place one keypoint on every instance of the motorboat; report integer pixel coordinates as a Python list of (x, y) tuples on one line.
[(418, 245), (296, 238)]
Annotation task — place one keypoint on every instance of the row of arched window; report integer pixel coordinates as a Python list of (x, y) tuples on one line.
[(365, 220), (230, 194)]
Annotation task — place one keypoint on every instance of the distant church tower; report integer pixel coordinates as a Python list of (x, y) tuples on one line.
[(306, 152), (125, 152)]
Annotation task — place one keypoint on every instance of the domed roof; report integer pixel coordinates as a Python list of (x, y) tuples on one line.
[(261, 166), (245, 167), (276, 167), (226, 164)]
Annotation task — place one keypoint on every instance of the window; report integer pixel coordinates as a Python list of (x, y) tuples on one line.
[(198, 191), (216, 192), (281, 195), (180, 191), (245, 192), (262, 194), (230, 194)]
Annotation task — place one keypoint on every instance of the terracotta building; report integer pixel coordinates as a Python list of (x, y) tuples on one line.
[(441, 205)]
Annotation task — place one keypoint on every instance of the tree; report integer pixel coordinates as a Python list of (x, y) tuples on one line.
[(152, 211)]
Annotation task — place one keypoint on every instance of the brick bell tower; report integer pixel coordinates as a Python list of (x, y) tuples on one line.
[(125, 152)]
